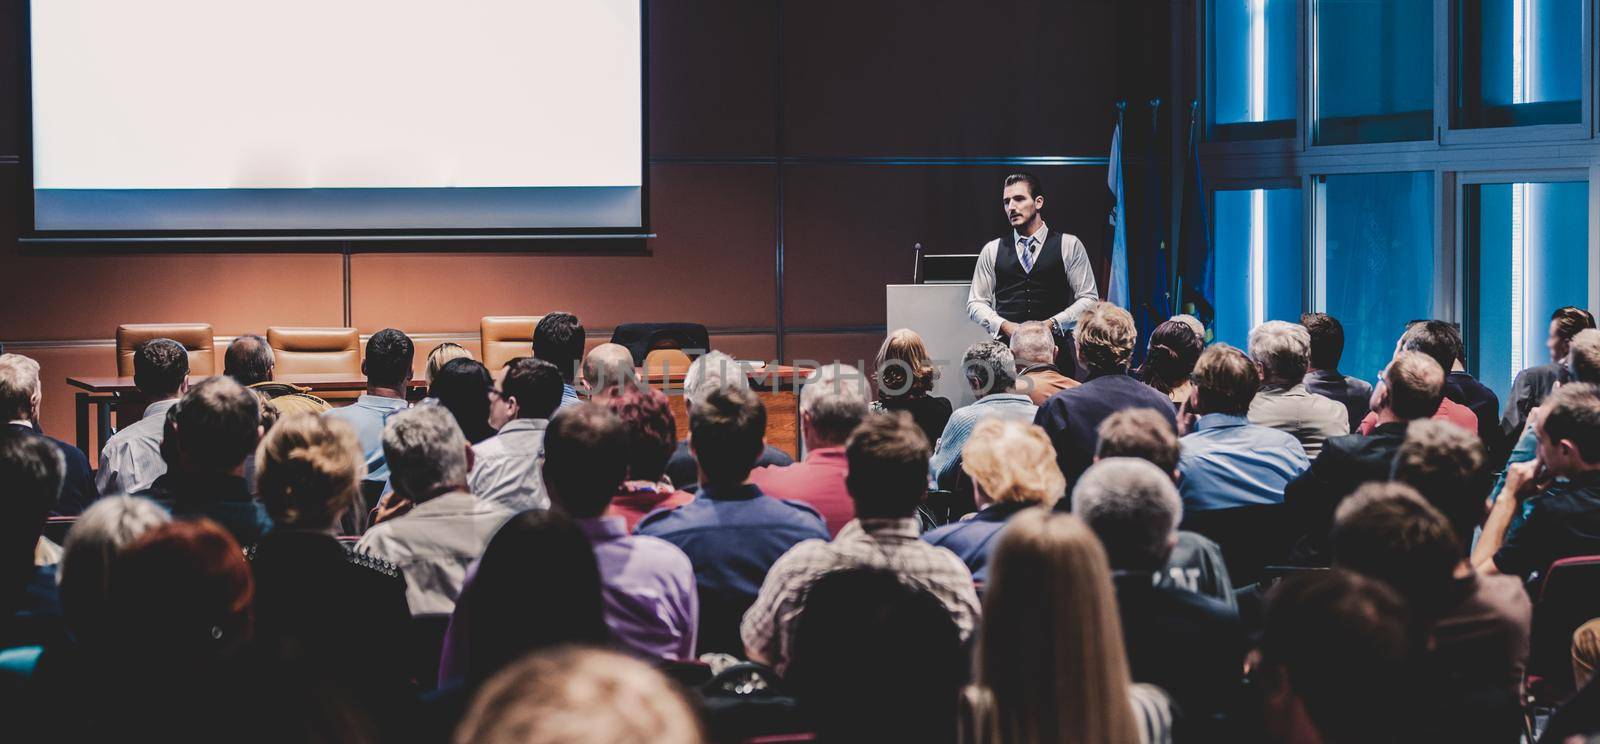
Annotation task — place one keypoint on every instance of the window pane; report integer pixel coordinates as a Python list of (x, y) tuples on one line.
[(1518, 62), (1258, 259), (1253, 68), (1532, 246), (1374, 70), (1377, 261)]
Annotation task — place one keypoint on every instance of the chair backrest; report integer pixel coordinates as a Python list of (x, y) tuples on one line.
[(642, 338), (506, 337), (1569, 597), (1251, 537), (315, 351), (427, 643), (195, 337), (671, 360)]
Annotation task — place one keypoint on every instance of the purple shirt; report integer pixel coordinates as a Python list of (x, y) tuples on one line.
[(648, 587)]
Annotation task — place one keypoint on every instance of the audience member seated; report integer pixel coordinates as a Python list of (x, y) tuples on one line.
[(322, 607), (1561, 487), (732, 531), (1479, 625), (1105, 338), (1174, 349), (1012, 467), (462, 386), (1050, 666), (131, 458), (905, 375), (1582, 365), (20, 394), (607, 371), (1419, 338), (1035, 350), (648, 583), (558, 339), (1196, 563), (876, 659), (991, 372), (92, 545), (1445, 465), (1410, 389), (209, 433), (652, 436), (31, 473), (1336, 663), (1187, 644), (387, 365), (1323, 376), (441, 355), (249, 362), (577, 695), (1282, 353), (712, 371), (1534, 383), (506, 467), (1228, 461), (440, 527), (832, 403), (887, 458)]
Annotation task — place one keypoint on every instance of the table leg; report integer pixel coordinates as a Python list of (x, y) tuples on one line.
[(80, 406), (102, 423)]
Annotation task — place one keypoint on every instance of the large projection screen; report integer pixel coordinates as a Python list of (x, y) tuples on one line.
[(336, 117)]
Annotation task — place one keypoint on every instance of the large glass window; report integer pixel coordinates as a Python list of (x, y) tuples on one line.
[(1375, 260), (1528, 245), (1253, 66), (1258, 260), (1374, 74), (1518, 62)]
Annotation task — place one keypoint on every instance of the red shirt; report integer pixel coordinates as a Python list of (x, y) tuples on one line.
[(817, 481), (1449, 410), (636, 499)]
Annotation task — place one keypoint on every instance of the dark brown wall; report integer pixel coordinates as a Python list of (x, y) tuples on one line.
[(822, 137)]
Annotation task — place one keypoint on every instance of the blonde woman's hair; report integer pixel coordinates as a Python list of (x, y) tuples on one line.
[(1051, 667), (1106, 335), (903, 367), (440, 356), (1013, 460), (309, 470)]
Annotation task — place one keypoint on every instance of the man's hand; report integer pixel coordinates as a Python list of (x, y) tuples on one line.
[(1007, 328), (389, 507), (1524, 479)]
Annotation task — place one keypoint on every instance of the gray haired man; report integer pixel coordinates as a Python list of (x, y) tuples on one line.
[(712, 371), (991, 371)]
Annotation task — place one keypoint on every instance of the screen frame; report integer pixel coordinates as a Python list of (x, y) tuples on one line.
[(459, 238)]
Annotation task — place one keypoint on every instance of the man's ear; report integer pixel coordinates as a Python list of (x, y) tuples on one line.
[(516, 405), (1038, 202), (183, 386), (363, 367)]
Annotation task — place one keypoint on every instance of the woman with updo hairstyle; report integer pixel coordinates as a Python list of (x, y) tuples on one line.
[(462, 387), (905, 376), (1174, 349), (441, 355)]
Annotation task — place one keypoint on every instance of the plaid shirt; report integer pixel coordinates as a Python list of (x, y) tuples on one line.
[(876, 543)]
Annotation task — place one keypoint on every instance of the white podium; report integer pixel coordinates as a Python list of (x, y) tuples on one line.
[(938, 312)]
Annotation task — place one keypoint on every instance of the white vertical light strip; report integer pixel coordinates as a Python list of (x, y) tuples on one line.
[(1519, 244), (1519, 51), (1258, 60), (1258, 257)]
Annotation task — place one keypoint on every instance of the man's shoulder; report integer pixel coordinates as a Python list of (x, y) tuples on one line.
[(670, 519)]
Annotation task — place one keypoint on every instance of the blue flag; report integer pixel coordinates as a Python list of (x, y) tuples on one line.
[(1117, 289), (1196, 268)]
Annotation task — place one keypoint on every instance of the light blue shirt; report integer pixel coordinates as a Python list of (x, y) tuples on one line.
[(1228, 461), (569, 397), (368, 415), (947, 454)]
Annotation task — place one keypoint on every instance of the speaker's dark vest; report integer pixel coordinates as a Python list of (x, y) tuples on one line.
[(1020, 295)]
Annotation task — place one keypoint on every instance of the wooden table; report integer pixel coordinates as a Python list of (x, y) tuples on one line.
[(777, 386)]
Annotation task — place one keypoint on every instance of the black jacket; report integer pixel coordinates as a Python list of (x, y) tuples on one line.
[(1345, 463), (78, 490), (1189, 645), (1072, 417)]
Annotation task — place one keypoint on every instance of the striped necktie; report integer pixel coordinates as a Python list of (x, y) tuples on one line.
[(1026, 244)]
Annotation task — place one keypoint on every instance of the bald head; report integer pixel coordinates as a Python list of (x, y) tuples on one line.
[(248, 360), (607, 368)]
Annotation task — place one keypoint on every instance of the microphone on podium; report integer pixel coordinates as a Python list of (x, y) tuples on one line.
[(916, 268)]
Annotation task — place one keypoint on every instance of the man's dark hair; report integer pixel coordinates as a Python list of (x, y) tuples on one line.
[(160, 366), (1437, 339), (1386, 531), (216, 424), (1027, 178), (1327, 339), (1139, 433), (585, 459), (248, 360), (1343, 644), (536, 384), (1569, 320), (726, 431), (558, 339), (887, 460), (31, 473), (389, 355), (1573, 412), (1445, 464), (1415, 387), (1225, 380)]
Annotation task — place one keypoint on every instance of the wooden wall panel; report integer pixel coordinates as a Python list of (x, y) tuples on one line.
[(855, 349), (711, 56)]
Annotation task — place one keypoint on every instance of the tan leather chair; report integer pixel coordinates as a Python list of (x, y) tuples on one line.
[(315, 351), (195, 337), (673, 360), (506, 337)]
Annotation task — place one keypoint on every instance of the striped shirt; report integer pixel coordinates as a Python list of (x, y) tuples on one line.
[(946, 460)]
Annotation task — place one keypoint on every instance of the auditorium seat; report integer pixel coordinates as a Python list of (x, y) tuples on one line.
[(315, 351), (643, 338), (1251, 537), (1568, 598), (506, 337), (672, 360), (195, 337)]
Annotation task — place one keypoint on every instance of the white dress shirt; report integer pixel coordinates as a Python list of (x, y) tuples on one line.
[(131, 459), (1080, 275), (433, 544), (506, 467)]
